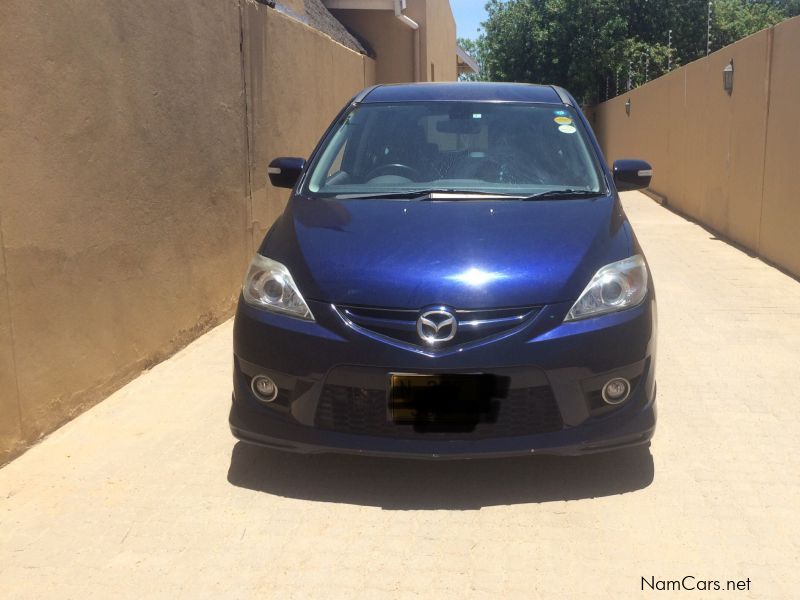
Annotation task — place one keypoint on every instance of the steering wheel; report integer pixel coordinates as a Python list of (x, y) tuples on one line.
[(395, 168)]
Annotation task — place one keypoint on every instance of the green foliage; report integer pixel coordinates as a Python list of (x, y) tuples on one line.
[(735, 19), (594, 47), (475, 50)]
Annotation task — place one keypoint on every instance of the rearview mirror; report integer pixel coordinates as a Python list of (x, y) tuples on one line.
[(285, 171), (632, 174), (459, 126)]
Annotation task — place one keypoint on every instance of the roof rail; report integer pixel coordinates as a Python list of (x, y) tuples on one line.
[(364, 93), (564, 95)]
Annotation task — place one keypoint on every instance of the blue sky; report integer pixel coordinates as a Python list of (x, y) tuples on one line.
[(468, 15)]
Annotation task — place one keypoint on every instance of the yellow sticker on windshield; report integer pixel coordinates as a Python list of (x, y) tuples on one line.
[(563, 120), (566, 129)]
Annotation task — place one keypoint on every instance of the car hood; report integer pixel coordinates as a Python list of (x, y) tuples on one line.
[(461, 253)]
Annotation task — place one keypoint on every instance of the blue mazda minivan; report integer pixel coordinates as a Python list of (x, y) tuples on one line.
[(453, 276)]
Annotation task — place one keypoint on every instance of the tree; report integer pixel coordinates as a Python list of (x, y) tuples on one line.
[(588, 46), (565, 42), (473, 48), (735, 19)]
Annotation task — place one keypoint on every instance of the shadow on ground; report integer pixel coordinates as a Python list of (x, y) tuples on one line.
[(400, 484)]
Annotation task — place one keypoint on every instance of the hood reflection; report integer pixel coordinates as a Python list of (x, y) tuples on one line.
[(476, 277)]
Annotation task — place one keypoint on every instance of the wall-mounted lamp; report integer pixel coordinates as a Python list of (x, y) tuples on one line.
[(628, 107), (727, 78)]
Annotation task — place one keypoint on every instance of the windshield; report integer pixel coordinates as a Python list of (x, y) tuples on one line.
[(479, 147)]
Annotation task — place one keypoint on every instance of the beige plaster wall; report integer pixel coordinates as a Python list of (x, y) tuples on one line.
[(298, 81), (780, 218), (722, 159), (134, 140), (390, 40), (439, 41), (10, 425), (123, 190)]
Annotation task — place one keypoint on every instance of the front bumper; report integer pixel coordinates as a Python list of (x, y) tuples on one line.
[(569, 360)]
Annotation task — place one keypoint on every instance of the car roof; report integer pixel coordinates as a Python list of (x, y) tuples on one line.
[(467, 91)]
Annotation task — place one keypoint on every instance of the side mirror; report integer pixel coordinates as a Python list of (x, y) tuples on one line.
[(632, 174), (285, 171)]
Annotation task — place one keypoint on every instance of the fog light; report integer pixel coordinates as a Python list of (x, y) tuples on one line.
[(264, 388), (616, 390)]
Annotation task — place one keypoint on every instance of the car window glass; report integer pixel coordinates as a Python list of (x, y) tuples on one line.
[(503, 147)]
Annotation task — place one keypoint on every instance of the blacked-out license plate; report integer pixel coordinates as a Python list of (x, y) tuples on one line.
[(446, 401)]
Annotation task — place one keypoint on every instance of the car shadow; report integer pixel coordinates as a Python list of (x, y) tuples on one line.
[(410, 484)]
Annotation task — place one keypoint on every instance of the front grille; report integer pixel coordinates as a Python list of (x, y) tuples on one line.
[(359, 411), (473, 325)]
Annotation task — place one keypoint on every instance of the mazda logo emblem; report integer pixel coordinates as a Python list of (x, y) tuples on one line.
[(434, 326)]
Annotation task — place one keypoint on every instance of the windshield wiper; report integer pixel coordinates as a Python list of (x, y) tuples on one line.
[(424, 194), (564, 193)]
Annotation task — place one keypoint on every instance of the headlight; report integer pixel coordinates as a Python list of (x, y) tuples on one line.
[(617, 286), (269, 285)]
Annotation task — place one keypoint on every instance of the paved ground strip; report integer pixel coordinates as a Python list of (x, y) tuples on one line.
[(148, 495)]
